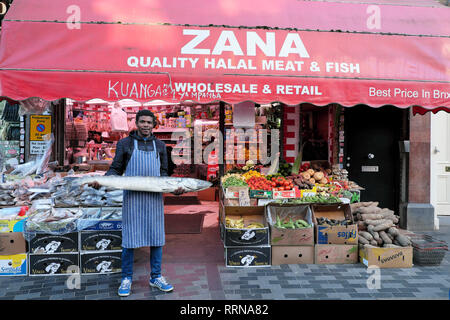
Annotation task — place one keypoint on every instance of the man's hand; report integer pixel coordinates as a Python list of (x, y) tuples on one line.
[(94, 185), (179, 191)]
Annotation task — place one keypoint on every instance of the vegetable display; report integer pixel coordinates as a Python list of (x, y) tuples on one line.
[(378, 226), (234, 182), (291, 224), (281, 184), (259, 183)]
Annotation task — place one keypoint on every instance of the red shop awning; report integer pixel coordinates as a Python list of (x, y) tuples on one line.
[(315, 52)]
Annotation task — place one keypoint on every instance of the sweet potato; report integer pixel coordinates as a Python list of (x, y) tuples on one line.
[(366, 235), (374, 234), (377, 222), (385, 237), (363, 240), (370, 216), (403, 240), (371, 209), (393, 231), (374, 243), (383, 226)]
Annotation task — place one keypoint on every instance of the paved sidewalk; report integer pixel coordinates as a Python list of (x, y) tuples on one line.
[(194, 264)]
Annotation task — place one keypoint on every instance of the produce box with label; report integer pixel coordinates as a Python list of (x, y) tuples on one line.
[(248, 256), (13, 265), (243, 226), (393, 257), (335, 224), (101, 262), (54, 243), (53, 264), (290, 224)]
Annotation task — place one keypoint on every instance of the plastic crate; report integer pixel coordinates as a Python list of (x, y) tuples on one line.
[(428, 251)]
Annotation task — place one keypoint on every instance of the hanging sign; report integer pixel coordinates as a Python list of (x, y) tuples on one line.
[(40, 125)]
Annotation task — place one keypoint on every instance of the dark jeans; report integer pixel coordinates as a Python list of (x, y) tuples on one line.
[(155, 262)]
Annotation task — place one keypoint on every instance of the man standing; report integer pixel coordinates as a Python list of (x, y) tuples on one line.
[(142, 154)]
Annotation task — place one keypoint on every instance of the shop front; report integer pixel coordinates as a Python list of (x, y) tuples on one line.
[(282, 115)]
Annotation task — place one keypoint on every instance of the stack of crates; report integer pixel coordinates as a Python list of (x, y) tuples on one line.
[(244, 247), (101, 246), (291, 246), (335, 244)]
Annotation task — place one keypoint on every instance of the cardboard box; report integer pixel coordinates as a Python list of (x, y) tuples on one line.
[(387, 257), (292, 255), (335, 254), (101, 262), (54, 243), (12, 225), (103, 225), (100, 240), (14, 265), (12, 243), (248, 256), (246, 237), (231, 237), (335, 234), (283, 237), (54, 264)]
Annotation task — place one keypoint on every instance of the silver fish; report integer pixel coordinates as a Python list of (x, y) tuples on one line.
[(148, 184)]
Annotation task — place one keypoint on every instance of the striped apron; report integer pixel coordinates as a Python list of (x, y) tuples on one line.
[(143, 212)]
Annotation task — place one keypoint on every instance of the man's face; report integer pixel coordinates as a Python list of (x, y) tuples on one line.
[(145, 125)]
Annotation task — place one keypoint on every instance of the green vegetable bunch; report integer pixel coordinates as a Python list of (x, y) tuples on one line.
[(234, 182), (291, 224)]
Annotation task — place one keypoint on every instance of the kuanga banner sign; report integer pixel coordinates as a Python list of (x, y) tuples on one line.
[(176, 63)]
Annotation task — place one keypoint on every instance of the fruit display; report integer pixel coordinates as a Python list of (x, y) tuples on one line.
[(239, 224), (259, 183), (251, 173)]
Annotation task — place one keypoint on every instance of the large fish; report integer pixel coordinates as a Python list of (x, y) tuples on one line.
[(148, 184)]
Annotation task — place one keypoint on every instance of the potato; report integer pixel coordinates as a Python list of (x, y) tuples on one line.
[(323, 181), (306, 175), (312, 180), (311, 172), (318, 175)]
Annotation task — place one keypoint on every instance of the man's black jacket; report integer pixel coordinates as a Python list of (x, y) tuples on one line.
[(124, 150)]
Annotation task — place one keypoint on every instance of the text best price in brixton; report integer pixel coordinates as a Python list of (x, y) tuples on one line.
[(405, 93)]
